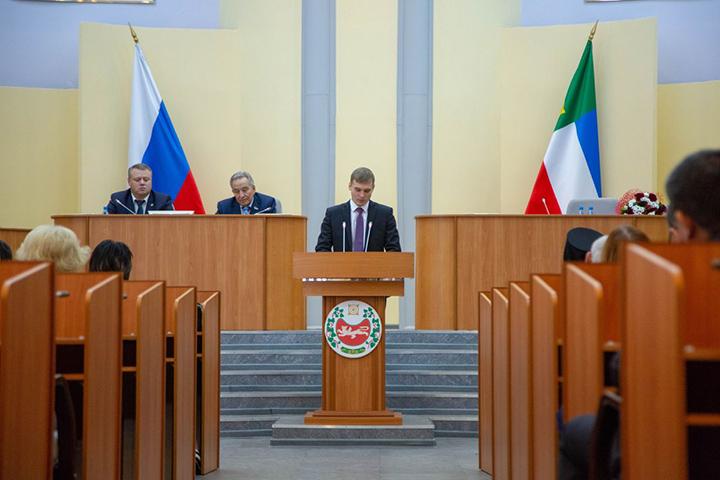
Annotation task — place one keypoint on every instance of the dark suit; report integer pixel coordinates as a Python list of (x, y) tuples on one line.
[(154, 201), (383, 234), (261, 203)]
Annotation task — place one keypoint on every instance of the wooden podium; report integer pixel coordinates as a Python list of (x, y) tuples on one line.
[(353, 382)]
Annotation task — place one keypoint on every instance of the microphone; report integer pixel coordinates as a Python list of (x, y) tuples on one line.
[(123, 205), (545, 204), (344, 237), (263, 211), (367, 238)]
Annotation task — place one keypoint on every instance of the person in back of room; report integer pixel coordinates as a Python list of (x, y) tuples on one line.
[(619, 236), (110, 256), (55, 244), (140, 197), (5, 251), (364, 225), (693, 217), (246, 200)]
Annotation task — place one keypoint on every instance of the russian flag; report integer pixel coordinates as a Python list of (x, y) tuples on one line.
[(153, 141), (571, 167)]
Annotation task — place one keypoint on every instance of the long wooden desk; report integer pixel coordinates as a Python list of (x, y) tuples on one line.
[(458, 256), (248, 258)]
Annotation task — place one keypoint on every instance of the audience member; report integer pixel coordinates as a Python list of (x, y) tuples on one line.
[(693, 216), (246, 200), (5, 251), (595, 253), (110, 256), (622, 234), (56, 244), (578, 242), (693, 189)]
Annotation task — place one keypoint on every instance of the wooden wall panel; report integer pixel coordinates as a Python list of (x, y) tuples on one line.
[(492, 250), (501, 386), (546, 307), (27, 368), (520, 329), (282, 292), (240, 256), (436, 277), (485, 382), (13, 237)]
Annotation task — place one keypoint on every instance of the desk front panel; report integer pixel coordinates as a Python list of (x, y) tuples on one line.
[(247, 258), (460, 255)]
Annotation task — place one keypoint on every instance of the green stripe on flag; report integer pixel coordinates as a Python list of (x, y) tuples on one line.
[(580, 97)]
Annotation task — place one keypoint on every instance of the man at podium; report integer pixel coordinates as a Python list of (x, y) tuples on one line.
[(359, 225)]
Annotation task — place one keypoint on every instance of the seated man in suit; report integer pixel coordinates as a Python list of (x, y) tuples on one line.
[(140, 197), (362, 224), (245, 200)]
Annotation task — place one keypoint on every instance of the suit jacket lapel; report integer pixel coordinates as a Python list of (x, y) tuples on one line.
[(150, 204)]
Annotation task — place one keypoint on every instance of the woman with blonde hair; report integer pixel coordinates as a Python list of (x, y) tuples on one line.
[(56, 244)]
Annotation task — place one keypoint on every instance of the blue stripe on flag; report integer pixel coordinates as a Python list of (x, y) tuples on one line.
[(165, 156), (587, 131)]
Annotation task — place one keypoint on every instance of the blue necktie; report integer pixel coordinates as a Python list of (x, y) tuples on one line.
[(358, 242), (246, 210), (140, 205)]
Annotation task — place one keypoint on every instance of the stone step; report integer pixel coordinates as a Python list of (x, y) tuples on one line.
[(392, 337), (455, 425), (402, 357), (415, 431), (402, 378), (446, 401)]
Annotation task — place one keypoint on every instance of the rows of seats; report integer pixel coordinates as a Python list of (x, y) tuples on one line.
[(102, 378), (546, 351)]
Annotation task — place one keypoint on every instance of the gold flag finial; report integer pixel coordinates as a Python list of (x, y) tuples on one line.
[(592, 32), (134, 35)]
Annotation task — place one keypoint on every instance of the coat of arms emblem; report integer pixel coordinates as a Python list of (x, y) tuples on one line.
[(353, 329)]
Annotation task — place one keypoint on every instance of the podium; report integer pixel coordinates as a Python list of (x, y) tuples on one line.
[(354, 287)]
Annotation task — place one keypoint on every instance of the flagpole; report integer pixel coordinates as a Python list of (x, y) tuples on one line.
[(135, 37), (590, 38)]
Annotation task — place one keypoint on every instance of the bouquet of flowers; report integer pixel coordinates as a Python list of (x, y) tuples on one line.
[(637, 202)]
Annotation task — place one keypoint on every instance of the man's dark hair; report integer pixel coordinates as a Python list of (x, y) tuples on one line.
[(362, 175), (693, 188), (139, 166), (110, 256), (5, 251)]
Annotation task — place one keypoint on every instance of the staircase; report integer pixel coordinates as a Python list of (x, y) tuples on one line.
[(268, 374)]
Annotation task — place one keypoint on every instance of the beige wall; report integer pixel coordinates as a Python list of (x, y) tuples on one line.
[(269, 36), (466, 106), (366, 71), (236, 107), (688, 120), (366, 100), (536, 69), (38, 155)]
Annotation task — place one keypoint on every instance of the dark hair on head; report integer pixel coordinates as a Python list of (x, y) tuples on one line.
[(362, 175), (622, 234), (693, 188), (110, 256), (5, 251)]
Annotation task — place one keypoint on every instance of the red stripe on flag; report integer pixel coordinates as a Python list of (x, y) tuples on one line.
[(188, 198), (542, 190)]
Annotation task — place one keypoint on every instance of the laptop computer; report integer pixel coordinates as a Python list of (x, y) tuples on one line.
[(596, 206)]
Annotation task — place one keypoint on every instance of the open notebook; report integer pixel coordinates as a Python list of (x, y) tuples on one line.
[(171, 212)]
